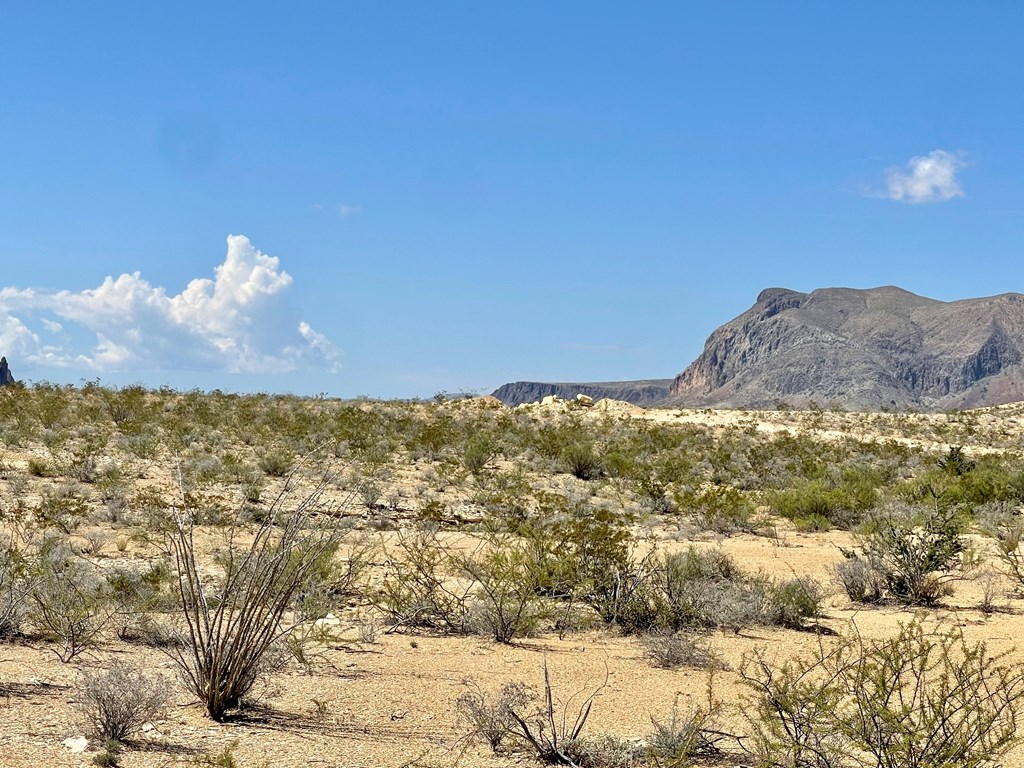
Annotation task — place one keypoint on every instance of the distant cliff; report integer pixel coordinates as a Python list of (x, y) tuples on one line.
[(643, 393), (872, 348)]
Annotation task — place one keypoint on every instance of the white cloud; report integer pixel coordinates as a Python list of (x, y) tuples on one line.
[(236, 322), (345, 210), (927, 178)]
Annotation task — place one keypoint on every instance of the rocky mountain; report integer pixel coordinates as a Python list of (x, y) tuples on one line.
[(865, 349), (5, 373), (644, 393)]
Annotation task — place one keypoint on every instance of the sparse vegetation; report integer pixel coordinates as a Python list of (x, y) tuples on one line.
[(136, 519)]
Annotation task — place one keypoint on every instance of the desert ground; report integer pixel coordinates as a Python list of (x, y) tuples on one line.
[(359, 680)]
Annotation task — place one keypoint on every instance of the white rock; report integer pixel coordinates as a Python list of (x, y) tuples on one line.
[(76, 745), (330, 620), (549, 400)]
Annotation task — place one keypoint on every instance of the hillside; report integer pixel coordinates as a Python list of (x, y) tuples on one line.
[(865, 349), (643, 393)]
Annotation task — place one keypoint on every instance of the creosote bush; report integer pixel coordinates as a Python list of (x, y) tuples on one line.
[(910, 555), (916, 700)]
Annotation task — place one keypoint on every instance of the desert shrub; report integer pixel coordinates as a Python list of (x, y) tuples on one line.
[(118, 701), (41, 467), (795, 601), (14, 589), (842, 504), (504, 573), (705, 588), (233, 622), (915, 700), (67, 599), (861, 580), (549, 730), (134, 594), (955, 462), (416, 590), (915, 551), (722, 509), (489, 715), (1005, 524), (110, 755), (477, 450), (669, 650), (581, 460), (63, 508), (276, 461), (587, 553)]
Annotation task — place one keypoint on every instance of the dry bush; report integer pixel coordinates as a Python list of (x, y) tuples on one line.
[(549, 730), (67, 599), (490, 715), (118, 701), (669, 650), (233, 622)]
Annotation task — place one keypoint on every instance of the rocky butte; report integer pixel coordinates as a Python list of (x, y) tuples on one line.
[(5, 373), (864, 349)]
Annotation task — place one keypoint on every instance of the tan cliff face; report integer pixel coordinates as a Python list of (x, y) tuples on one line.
[(870, 348)]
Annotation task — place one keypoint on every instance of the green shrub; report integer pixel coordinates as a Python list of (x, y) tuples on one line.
[(914, 700), (63, 508), (14, 590), (416, 590), (582, 461), (134, 594), (505, 578), (671, 649), (795, 601), (276, 461), (722, 509), (915, 551)]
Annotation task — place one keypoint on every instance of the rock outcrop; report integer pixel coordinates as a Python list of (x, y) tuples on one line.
[(643, 393), (5, 373), (868, 349)]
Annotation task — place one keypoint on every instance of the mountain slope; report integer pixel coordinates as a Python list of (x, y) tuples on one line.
[(871, 348)]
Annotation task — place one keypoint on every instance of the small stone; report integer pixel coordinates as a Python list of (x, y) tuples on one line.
[(76, 745)]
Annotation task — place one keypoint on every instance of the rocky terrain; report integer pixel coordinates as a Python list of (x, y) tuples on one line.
[(864, 349), (644, 393)]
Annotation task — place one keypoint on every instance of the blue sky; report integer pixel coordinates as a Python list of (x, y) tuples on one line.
[(448, 196)]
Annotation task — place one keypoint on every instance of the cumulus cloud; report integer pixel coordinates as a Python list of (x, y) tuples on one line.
[(238, 322), (927, 178)]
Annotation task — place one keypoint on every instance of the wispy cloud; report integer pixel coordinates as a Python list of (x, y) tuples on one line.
[(237, 322), (344, 210), (927, 178)]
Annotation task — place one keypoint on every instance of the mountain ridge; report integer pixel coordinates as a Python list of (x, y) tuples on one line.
[(862, 348)]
